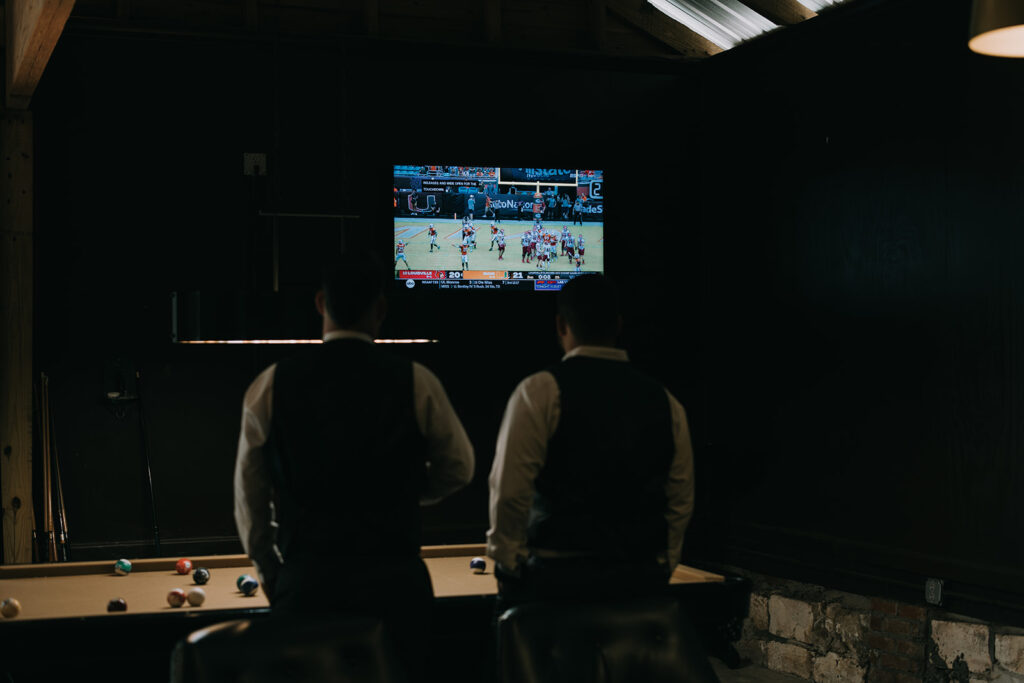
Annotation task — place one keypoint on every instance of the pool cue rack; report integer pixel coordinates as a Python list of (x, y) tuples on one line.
[(52, 542)]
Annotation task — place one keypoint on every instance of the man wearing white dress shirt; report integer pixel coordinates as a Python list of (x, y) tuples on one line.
[(591, 488), (340, 446)]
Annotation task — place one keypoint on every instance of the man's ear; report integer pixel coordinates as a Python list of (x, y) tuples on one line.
[(561, 325), (321, 302)]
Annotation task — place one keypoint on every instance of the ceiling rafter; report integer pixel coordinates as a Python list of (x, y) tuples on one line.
[(32, 32), (641, 15), (782, 12)]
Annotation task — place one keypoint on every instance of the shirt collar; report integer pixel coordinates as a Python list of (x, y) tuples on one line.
[(347, 334), (603, 352)]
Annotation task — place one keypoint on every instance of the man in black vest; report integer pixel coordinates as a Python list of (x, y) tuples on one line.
[(592, 481), (339, 447)]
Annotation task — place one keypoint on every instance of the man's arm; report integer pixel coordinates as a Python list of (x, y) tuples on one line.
[(679, 487), (450, 460), (253, 516), (530, 419)]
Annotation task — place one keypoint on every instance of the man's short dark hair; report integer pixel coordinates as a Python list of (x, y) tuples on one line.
[(590, 304), (351, 283)]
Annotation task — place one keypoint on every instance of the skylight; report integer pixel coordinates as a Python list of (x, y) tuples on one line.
[(725, 23), (818, 5)]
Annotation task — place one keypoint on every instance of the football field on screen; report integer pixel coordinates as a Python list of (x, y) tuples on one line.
[(449, 236)]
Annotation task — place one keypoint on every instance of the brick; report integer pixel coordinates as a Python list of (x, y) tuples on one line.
[(900, 663), (877, 675), (912, 612), (876, 641), (835, 669), (884, 606), (876, 622), (759, 611), (789, 618), (849, 627), (902, 627), (789, 659), (953, 638), (910, 648), (1010, 653)]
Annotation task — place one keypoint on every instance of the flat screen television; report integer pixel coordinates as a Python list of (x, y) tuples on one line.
[(489, 227)]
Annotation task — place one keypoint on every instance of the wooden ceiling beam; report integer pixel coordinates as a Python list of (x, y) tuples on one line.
[(782, 12), (640, 14), (33, 27)]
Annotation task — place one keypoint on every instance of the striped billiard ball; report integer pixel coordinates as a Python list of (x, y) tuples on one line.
[(249, 585), (122, 567), (176, 598)]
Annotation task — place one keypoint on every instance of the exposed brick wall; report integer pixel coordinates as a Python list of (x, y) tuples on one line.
[(830, 636), (895, 642)]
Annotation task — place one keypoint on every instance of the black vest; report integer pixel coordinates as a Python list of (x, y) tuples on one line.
[(602, 488), (345, 453)]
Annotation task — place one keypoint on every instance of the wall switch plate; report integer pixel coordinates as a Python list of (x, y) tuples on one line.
[(933, 591)]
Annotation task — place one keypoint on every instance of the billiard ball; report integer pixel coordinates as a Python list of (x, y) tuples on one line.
[(117, 605), (183, 566), (249, 585), (478, 565), (10, 608), (196, 596), (240, 579), (176, 598), (201, 575), (122, 567)]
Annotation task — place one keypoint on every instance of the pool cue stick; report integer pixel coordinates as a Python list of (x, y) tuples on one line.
[(145, 458), (63, 539), (51, 547)]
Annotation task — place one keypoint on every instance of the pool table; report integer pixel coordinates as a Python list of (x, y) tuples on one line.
[(64, 628)]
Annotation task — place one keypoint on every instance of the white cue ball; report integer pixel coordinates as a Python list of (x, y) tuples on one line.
[(196, 596)]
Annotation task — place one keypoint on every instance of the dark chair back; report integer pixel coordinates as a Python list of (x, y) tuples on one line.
[(632, 641), (348, 650)]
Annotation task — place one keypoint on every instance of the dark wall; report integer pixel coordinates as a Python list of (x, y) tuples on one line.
[(861, 322), (141, 193)]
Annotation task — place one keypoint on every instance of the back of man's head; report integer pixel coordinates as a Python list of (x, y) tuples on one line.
[(352, 283), (590, 305)]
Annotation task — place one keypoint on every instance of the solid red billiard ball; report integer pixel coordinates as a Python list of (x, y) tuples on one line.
[(183, 566)]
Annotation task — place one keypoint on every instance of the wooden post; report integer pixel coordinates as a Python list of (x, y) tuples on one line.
[(16, 335)]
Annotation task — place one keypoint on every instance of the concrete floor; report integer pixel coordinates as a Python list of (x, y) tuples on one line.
[(751, 674)]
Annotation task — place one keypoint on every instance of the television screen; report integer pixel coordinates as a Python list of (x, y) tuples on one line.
[(487, 227)]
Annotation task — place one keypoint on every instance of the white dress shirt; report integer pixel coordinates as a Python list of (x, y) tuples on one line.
[(450, 460), (530, 421)]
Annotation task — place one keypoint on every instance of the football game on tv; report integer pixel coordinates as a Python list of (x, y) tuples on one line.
[(486, 227)]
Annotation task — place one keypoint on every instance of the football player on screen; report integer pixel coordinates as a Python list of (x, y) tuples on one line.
[(464, 248), (494, 236), (580, 246), (400, 253), (432, 235), (501, 245)]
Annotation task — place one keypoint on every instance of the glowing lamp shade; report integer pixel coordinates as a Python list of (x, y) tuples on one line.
[(997, 28)]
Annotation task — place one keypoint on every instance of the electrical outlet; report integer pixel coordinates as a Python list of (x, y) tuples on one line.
[(933, 591), (254, 163)]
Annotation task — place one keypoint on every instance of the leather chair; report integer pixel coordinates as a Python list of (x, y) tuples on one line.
[(628, 641), (347, 650)]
